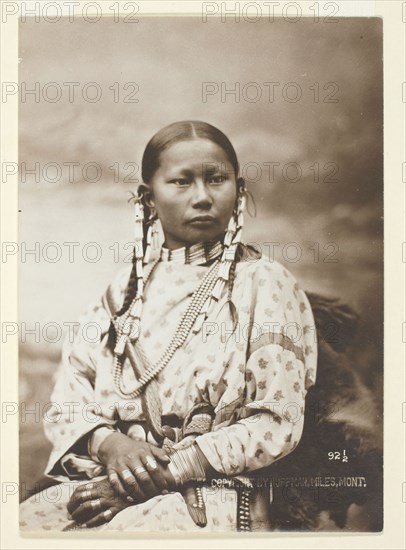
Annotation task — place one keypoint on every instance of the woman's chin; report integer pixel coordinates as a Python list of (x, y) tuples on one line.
[(204, 235), (193, 237)]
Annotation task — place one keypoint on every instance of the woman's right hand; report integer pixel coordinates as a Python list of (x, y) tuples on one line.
[(135, 468)]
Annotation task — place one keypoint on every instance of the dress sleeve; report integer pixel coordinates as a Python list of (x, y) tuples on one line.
[(74, 412), (281, 366)]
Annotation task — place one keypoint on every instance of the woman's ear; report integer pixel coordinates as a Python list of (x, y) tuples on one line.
[(146, 191), (240, 184)]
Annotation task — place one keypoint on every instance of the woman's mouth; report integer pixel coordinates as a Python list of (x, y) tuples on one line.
[(202, 220)]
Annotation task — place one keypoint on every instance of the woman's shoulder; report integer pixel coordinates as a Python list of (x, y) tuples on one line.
[(262, 268), (120, 279), (265, 280), (96, 311), (116, 290)]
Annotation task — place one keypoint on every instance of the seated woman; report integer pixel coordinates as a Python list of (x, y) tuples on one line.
[(200, 373)]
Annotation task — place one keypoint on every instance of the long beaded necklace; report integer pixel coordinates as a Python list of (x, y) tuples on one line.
[(185, 326)]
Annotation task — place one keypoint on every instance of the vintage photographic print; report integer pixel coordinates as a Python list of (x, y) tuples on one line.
[(200, 272)]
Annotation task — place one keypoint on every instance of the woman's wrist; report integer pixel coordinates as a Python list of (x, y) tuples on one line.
[(96, 438), (105, 445)]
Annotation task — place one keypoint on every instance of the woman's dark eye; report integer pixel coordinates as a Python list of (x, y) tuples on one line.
[(180, 182), (217, 179)]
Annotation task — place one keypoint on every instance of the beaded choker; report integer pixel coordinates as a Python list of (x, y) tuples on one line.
[(197, 254)]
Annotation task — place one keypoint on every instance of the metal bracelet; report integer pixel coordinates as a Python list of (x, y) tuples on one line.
[(175, 473), (188, 465)]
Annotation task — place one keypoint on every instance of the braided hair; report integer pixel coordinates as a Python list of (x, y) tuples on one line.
[(131, 289)]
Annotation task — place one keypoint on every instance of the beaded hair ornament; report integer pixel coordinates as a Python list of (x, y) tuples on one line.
[(127, 323)]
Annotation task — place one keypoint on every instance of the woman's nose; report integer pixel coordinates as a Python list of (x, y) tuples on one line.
[(201, 196)]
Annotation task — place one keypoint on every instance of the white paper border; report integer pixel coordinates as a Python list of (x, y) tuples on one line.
[(393, 13)]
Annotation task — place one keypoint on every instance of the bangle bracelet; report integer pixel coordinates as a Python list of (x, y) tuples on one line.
[(175, 473), (187, 464)]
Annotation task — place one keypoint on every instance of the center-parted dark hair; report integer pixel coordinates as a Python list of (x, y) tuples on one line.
[(176, 132)]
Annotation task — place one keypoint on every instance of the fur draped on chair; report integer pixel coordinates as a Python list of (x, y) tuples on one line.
[(341, 414)]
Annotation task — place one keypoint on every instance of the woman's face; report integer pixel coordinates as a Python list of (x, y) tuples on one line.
[(194, 192)]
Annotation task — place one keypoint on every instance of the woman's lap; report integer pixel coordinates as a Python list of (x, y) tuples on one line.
[(46, 511)]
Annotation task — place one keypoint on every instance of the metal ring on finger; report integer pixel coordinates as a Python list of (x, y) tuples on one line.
[(108, 514), (95, 504), (151, 462), (140, 470), (126, 474), (113, 476)]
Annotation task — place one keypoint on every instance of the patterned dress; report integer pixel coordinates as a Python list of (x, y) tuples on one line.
[(263, 365)]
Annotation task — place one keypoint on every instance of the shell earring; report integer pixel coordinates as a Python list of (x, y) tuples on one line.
[(152, 240)]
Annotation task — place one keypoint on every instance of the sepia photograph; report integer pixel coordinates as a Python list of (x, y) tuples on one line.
[(201, 275)]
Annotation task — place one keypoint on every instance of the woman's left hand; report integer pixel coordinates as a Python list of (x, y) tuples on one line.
[(95, 503)]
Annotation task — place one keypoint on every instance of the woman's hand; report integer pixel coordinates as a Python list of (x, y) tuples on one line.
[(95, 503), (135, 468)]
